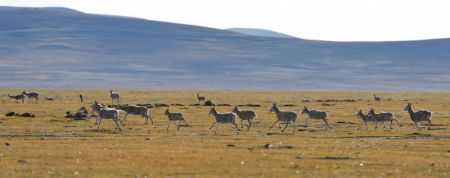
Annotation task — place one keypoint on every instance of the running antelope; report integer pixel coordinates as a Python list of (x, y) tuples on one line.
[(114, 96), (417, 117), (97, 106), (220, 118), (376, 98), (31, 95), (383, 117), (247, 115), (136, 110), (18, 97), (315, 114), (106, 113), (365, 118), (200, 98), (283, 116), (174, 116)]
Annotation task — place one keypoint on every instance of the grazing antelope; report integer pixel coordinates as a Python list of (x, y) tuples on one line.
[(114, 96), (136, 110), (247, 115), (365, 118), (200, 98), (315, 114), (32, 95), (376, 98), (18, 97), (106, 113), (383, 117), (174, 116), (417, 117), (227, 117), (283, 116)]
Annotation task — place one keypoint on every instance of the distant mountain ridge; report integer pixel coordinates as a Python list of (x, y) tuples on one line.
[(48, 48), (260, 32)]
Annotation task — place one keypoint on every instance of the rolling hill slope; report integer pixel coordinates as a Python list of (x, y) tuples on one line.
[(62, 48), (260, 32)]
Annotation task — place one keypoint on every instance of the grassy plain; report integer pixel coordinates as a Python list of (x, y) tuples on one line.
[(53, 146)]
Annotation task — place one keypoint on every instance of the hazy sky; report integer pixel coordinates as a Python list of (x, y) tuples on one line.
[(339, 20)]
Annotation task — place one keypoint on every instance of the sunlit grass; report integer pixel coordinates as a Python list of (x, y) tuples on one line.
[(53, 146)]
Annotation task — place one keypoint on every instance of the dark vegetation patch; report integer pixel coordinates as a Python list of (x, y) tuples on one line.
[(249, 105), (209, 103), (10, 114), (288, 105), (330, 100), (222, 104), (160, 105), (145, 105), (270, 146), (335, 158), (345, 122)]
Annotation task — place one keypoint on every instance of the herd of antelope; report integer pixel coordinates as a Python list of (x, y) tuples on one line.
[(282, 117)]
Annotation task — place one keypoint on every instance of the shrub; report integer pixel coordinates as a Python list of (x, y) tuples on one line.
[(209, 103)]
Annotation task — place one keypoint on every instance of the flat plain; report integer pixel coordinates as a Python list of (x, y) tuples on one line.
[(50, 145)]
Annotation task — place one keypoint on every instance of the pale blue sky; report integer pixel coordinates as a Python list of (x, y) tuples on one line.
[(338, 20)]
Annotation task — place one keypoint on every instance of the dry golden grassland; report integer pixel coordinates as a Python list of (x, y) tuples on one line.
[(53, 146)]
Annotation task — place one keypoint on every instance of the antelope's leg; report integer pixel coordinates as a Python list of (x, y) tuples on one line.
[(417, 127), (99, 122), (287, 123), (295, 126), (117, 123), (168, 124), (236, 126), (398, 122), (326, 124), (429, 124), (125, 118), (214, 123), (217, 127), (146, 119), (274, 123)]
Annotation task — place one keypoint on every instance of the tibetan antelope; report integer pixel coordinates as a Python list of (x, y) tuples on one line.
[(106, 113), (31, 95), (383, 117), (81, 98), (283, 116), (114, 96), (97, 106), (377, 99), (224, 118), (200, 98), (316, 114), (18, 97), (174, 116), (247, 115), (365, 118), (136, 110), (418, 116)]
